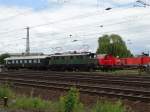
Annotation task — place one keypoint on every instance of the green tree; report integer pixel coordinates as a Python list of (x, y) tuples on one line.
[(113, 44), (2, 57)]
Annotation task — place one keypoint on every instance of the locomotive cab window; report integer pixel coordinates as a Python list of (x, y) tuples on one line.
[(92, 56)]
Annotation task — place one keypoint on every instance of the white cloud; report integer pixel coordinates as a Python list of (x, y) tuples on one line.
[(82, 22)]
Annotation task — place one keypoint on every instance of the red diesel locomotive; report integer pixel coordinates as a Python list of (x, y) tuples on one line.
[(111, 62)]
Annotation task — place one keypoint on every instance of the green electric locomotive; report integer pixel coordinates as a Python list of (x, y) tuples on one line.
[(73, 61)]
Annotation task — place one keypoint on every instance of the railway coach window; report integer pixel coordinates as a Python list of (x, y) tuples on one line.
[(8, 62), (20, 61), (25, 61), (16, 61), (39, 61), (30, 61), (34, 61), (13, 61)]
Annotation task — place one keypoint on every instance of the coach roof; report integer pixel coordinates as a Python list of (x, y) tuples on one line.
[(75, 54), (27, 57)]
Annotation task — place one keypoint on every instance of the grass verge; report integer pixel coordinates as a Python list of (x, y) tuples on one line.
[(30, 103), (68, 103), (109, 107)]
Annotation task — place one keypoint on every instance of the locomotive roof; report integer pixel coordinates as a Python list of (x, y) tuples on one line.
[(26, 57)]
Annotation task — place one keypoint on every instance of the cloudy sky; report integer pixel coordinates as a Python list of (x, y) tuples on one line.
[(67, 25)]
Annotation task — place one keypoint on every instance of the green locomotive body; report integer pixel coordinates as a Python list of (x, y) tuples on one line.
[(81, 61)]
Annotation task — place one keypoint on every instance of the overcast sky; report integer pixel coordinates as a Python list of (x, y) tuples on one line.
[(64, 25)]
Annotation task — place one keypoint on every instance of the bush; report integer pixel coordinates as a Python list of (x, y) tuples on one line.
[(108, 107), (70, 102)]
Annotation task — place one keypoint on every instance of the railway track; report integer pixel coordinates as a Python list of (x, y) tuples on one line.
[(79, 74), (134, 82), (86, 84)]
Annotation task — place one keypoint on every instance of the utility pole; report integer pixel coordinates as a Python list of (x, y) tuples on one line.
[(27, 42)]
